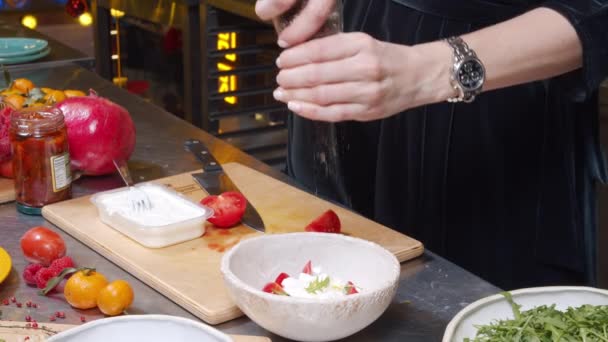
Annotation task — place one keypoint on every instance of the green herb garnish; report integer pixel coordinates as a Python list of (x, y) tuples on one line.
[(545, 323), (317, 285)]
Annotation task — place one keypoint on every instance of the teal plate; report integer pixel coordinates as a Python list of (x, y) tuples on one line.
[(27, 58), (15, 47)]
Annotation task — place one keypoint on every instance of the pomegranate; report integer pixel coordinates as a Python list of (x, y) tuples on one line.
[(98, 132), (5, 142)]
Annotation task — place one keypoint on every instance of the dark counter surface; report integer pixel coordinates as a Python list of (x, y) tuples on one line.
[(60, 54), (431, 290)]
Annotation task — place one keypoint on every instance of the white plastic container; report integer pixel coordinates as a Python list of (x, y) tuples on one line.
[(173, 218)]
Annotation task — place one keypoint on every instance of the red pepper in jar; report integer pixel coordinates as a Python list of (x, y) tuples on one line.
[(41, 159)]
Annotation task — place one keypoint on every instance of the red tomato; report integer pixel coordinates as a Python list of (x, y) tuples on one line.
[(42, 245), (350, 288), (326, 223), (274, 288), (228, 208), (307, 268), (281, 277), (6, 169)]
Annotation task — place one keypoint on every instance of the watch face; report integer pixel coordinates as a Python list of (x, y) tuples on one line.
[(471, 74)]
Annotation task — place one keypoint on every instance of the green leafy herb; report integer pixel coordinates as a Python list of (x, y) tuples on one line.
[(545, 323), (317, 285)]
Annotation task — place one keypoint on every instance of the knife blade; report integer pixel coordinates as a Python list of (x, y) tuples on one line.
[(215, 181)]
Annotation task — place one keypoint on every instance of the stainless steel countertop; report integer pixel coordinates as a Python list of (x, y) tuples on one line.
[(60, 54), (431, 290)]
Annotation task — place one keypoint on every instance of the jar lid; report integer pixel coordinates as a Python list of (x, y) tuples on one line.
[(37, 120)]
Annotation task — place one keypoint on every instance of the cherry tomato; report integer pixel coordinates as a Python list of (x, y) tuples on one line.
[(228, 208), (42, 245), (326, 223)]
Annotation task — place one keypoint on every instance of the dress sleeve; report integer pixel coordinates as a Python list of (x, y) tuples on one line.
[(590, 20)]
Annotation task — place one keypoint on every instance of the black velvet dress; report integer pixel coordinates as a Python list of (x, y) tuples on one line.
[(503, 187)]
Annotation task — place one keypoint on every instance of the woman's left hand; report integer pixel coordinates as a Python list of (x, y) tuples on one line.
[(352, 76)]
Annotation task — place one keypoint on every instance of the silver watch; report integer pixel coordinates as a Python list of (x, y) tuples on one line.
[(468, 73)]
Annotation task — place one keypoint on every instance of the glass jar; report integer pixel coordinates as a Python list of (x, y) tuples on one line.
[(41, 158)]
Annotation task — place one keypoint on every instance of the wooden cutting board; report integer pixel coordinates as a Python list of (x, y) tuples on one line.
[(17, 332), (189, 273), (7, 190)]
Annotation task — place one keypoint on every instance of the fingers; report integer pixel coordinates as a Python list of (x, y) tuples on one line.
[(331, 48), (333, 113), (312, 75), (307, 23), (327, 94), (269, 9)]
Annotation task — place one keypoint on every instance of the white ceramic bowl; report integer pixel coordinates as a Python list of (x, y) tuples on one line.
[(254, 262), (495, 307), (149, 328)]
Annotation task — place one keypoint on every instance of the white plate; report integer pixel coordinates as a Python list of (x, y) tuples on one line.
[(149, 328), (489, 309)]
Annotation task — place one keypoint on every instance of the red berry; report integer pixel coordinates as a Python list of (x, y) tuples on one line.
[(60, 264), (35, 325), (18, 304), (61, 314), (5, 301), (35, 306), (28, 318), (28, 303), (43, 276), (82, 319), (52, 318), (29, 273), (13, 299)]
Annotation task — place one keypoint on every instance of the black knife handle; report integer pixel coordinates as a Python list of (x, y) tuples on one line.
[(202, 153)]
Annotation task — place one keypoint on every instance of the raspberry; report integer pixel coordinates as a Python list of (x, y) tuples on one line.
[(60, 264), (43, 276), (29, 273)]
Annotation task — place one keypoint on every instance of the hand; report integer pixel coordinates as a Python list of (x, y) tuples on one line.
[(355, 77), (304, 26)]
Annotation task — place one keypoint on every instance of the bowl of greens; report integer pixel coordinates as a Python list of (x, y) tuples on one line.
[(535, 314)]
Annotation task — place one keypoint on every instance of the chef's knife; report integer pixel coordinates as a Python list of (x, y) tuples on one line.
[(215, 181)]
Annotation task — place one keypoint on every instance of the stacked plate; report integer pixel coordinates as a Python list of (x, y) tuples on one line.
[(22, 50)]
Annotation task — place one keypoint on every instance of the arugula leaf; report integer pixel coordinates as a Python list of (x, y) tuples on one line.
[(587, 323), (317, 285)]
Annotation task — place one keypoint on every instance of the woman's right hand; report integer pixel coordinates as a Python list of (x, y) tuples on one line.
[(304, 26)]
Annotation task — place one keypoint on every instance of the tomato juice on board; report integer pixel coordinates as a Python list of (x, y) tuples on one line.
[(41, 158)]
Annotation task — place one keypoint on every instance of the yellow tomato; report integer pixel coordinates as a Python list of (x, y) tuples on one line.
[(73, 93), (23, 85), (15, 101), (54, 96)]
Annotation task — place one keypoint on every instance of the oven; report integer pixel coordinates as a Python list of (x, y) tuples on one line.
[(208, 62)]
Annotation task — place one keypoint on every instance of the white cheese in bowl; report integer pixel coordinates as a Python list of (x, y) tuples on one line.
[(315, 285)]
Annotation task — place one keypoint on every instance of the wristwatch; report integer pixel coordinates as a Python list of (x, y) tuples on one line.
[(468, 73)]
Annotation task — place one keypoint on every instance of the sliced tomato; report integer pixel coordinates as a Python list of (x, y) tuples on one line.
[(326, 223), (307, 268), (274, 288), (281, 277), (350, 288), (228, 208)]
